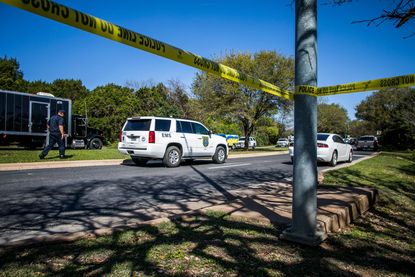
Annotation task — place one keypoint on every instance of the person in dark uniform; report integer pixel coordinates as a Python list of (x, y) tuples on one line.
[(56, 135)]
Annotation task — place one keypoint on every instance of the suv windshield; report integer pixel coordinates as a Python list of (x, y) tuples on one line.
[(138, 125)]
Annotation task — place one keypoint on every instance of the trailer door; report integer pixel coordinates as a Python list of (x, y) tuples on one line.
[(38, 117)]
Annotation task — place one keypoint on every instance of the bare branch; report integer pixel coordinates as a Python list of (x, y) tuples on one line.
[(401, 14)]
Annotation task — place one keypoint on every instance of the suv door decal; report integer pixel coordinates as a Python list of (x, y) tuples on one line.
[(205, 141)]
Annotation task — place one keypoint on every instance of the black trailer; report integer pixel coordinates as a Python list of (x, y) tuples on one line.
[(24, 117)]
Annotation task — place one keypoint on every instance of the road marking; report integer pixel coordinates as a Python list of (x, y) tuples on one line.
[(268, 161), (233, 165)]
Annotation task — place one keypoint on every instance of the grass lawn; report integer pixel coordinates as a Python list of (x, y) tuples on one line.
[(21, 155), (380, 244)]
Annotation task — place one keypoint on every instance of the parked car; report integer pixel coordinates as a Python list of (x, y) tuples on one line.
[(241, 143), (352, 141), (367, 143), (282, 142), (331, 148), (171, 140)]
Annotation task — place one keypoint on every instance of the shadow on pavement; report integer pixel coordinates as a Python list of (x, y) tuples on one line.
[(79, 206)]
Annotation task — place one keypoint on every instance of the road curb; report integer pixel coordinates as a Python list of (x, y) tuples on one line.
[(344, 165), (84, 163), (57, 164)]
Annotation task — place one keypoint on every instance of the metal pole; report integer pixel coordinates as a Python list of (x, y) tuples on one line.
[(303, 228)]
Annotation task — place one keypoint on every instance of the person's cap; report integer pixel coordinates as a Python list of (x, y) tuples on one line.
[(61, 111)]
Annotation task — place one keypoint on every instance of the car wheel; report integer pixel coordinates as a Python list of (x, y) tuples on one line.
[(220, 155), (139, 161), (172, 157), (95, 143), (350, 157), (333, 161)]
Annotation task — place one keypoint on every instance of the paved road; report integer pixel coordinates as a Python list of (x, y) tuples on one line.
[(51, 201)]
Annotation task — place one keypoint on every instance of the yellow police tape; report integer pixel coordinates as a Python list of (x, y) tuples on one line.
[(392, 82), (117, 33), (308, 90)]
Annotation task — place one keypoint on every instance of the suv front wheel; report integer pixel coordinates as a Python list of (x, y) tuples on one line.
[(172, 157), (220, 155)]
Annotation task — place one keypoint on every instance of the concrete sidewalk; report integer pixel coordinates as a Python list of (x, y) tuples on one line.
[(271, 202)]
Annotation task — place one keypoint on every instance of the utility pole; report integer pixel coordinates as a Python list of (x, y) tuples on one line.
[(303, 227)]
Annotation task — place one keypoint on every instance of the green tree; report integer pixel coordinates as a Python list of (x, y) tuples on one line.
[(392, 112), (11, 77), (38, 86), (284, 120), (221, 98), (267, 131), (178, 97), (155, 101), (221, 125), (69, 88), (108, 107), (359, 128), (332, 118)]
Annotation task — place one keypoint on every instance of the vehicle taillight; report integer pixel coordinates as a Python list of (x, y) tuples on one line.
[(151, 137), (322, 145), (121, 136)]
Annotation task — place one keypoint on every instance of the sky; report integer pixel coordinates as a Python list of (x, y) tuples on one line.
[(48, 50)]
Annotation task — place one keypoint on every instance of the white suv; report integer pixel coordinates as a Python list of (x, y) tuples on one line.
[(170, 139), (241, 143)]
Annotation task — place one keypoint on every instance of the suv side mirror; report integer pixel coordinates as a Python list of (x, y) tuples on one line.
[(210, 133)]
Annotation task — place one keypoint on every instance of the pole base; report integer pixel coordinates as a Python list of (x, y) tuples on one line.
[(310, 240)]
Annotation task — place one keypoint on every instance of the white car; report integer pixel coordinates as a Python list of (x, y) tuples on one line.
[(330, 148), (282, 142), (241, 143), (170, 139)]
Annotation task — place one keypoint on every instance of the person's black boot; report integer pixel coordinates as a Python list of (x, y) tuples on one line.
[(41, 156)]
